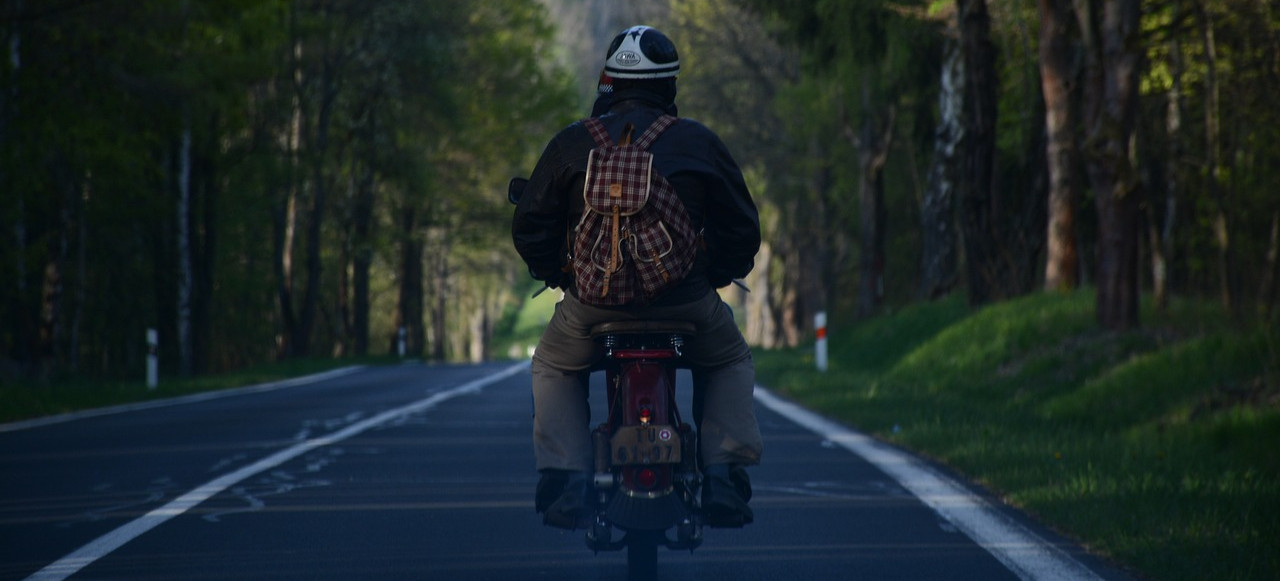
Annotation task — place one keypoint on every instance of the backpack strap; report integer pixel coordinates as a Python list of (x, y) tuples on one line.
[(651, 134), (598, 132)]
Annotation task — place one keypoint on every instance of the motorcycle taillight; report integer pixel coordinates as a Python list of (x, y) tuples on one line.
[(646, 478)]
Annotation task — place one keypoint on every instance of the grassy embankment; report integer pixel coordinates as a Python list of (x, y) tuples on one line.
[(1157, 447)]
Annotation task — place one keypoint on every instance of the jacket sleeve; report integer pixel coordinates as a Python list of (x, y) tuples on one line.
[(732, 231), (541, 217)]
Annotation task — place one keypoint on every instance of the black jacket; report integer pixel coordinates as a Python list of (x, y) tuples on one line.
[(690, 156)]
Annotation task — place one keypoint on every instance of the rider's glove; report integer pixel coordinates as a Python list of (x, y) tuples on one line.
[(553, 279), (718, 279)]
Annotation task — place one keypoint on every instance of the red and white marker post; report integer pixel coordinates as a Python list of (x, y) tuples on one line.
[(820, 346)]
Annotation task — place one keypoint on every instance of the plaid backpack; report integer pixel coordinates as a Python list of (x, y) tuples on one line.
[(634, 239)]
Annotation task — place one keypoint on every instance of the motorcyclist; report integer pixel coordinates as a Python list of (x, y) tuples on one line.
[(643, 64)]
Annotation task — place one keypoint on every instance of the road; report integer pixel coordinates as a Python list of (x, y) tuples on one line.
[(426, 472)]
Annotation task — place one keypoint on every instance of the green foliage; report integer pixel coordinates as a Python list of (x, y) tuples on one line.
[(1154, 447)]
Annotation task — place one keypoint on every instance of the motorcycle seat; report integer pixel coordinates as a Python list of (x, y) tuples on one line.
[(643, 328)]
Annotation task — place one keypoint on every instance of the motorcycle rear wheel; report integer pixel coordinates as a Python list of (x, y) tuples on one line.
[(642, 555)]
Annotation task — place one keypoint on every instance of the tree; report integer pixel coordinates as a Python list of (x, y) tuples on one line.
[(1058, 75), (1112, 65), (939, 256), (979, 210)]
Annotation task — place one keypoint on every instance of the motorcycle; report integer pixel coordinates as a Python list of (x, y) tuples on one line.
[(646, 477), (644, 490)]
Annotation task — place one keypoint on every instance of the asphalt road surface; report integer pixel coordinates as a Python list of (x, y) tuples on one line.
[(426, 472)]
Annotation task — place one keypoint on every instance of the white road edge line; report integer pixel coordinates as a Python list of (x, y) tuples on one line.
[(195, 397), (100, 547), (1023, 552)]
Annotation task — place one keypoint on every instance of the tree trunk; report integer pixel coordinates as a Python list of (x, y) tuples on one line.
[(937, 207), (1109, 33), (816, 258), (1267, 296), (872, 143), (789, 303), (1161, 231), (284, 215), (22, 310), (762, 327), (480, 331), (186, 278), (285, 211), (82, 275), (409, 315), (362, 260), (1213, 145), (1057, 76), (50, 316), (979, 210), (52, 293), (441, 291), (317, 151)]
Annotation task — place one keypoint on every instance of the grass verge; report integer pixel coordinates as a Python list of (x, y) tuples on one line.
[(1156, 447)]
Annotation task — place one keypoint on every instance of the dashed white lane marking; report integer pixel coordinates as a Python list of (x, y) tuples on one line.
[(100, 547), (1023, 552)]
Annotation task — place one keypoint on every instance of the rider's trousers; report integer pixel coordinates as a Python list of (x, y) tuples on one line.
[(724, 379)]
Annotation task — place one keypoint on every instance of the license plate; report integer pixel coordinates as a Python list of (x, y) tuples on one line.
[(646, 445)]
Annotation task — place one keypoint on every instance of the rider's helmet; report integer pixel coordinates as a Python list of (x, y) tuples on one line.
[(641, 52)]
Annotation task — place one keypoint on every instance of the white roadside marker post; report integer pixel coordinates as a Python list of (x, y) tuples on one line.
[(820, 346)]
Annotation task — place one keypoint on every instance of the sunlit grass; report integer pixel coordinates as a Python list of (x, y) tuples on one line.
[(1156, 447)]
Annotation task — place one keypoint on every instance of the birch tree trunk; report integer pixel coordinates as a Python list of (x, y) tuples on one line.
[(937, 206), (1057, 76)]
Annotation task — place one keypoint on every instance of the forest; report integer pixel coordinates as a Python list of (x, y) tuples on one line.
[(271, 179)]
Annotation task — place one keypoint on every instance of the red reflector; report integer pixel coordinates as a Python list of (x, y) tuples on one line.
[(646, 478)]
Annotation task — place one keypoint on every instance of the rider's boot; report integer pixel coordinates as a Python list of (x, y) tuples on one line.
[(561, 497), (725, 492)]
